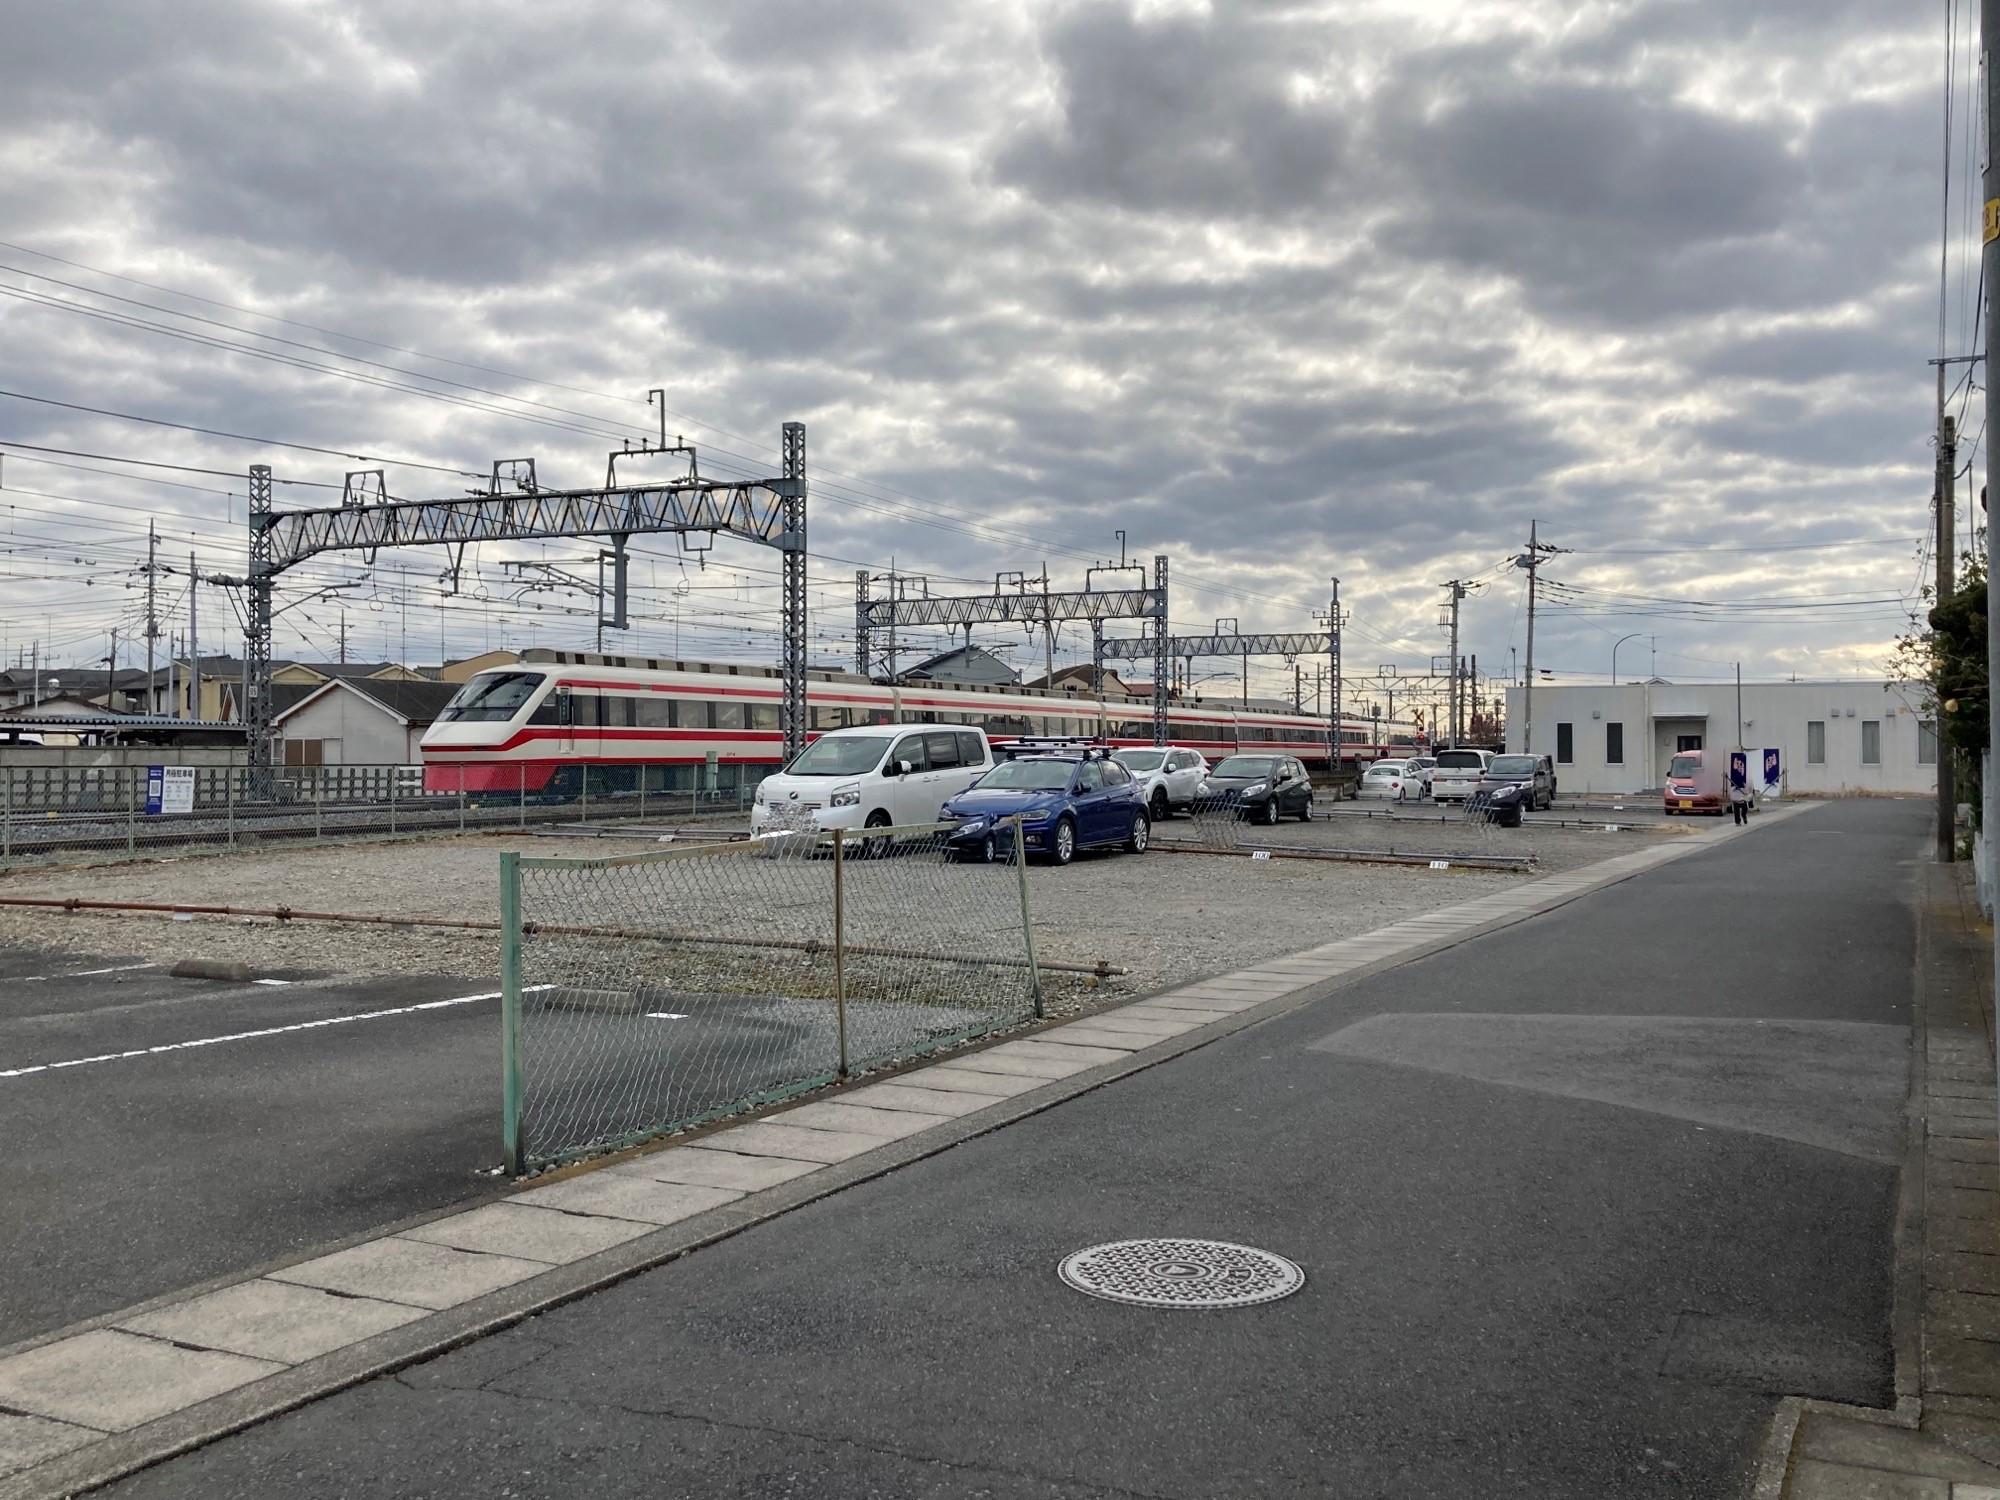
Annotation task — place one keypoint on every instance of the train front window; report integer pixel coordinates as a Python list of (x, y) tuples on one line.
[(491, 697)]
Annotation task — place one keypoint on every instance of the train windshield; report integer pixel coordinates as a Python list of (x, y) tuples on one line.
[(491, 697), (840, 755)]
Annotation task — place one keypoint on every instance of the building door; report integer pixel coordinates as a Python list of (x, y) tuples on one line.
[(1686, 742)]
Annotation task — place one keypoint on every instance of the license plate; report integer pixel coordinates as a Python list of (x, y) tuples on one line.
[(1686, 806)]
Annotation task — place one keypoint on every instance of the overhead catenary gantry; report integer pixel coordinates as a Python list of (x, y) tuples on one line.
[(1023, 605), (768, 511), (1236, 643)]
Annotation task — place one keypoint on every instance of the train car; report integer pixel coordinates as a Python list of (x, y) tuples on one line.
[(557, 721)]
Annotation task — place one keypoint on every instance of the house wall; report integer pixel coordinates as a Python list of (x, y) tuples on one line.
[(1776, 714), (352, 731)]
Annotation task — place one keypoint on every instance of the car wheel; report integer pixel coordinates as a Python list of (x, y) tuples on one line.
[(1268, 813), (1306, 811), (1142, 831), (1158, 810), (876, 848), (1062, 842)]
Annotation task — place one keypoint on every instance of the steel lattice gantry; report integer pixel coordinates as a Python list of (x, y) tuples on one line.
[(1033, 607), (771, 512)]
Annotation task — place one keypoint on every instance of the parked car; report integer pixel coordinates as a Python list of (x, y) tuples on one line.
[(1260, 788), (871, 777), (1419, 768), (1456, 775), (1169, 778), (1500, 805), (1697, 782), (1534, 772), (1390, 780), (1066, 802)]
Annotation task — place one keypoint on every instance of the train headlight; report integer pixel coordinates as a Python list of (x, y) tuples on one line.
[(846, 796)]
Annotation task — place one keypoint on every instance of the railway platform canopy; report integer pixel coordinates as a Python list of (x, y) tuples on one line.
[(117, 729)]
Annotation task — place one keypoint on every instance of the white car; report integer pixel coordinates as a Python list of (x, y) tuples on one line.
[(1418, 768), (1457, 774), (872, 777), (1169, 778), (1391, 780)]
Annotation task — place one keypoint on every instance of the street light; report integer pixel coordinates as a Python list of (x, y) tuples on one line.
[(1614, 652)]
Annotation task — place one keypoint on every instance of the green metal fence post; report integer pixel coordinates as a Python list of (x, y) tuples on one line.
[(229, 802), (510, 1013), (392, 804), (319, 818), (1027, 920), (840, 946), (524, 794), (132, 775)]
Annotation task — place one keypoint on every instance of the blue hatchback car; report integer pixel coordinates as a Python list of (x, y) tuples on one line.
[(1066, 801)]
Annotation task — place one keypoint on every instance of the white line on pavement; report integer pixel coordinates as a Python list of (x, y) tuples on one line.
[(244, 1036), (80, 973)]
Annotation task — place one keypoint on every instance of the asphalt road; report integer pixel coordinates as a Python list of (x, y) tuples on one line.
[(1576, 1201)]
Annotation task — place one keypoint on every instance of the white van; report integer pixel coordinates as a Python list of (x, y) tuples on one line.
[(871, 777), (1456, 775)]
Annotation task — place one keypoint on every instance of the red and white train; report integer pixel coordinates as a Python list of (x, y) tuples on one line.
[(555, 718)]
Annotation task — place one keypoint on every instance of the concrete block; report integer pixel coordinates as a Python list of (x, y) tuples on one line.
[(1947, 1270), (1063, 1052), (116, 1381), (891, 1118), (1964, 1367), (1966, 1315), (229, 970), (635, 1198), (27, 1441), (404, 1270), (1970, 1236), (1963, 1203), (526, 1232), (1981, 1176), (1186, 1015), (1875, 1445), (1082, 1034), (1041, 1064), (762, 1138), (273, 1320), (1121, 1020), (1813, 1479), (951, 1078), (1955, 1148), (894, 1101), (1226, 1005), (704, 1166)]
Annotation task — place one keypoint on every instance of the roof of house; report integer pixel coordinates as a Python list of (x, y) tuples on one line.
[(410, 703)]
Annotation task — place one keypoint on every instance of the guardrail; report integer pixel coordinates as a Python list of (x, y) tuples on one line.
[(650, 992)]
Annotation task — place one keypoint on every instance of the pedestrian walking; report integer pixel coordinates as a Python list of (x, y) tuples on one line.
[(1739, 803)]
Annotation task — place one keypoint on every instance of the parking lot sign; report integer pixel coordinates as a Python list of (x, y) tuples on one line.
[(169, 789)]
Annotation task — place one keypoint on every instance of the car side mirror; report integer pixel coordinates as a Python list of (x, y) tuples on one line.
[(904, 768)]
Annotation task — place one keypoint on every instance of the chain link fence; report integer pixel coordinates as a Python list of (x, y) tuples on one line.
[(1218, 823), (49, 814), (647, 993)]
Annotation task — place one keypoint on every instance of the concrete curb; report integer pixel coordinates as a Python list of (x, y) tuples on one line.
[(122, 1453)]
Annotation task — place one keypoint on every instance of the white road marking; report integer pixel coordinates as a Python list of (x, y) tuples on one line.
[(244, 1036), (80, 973), (274, 981), (665, 1015)]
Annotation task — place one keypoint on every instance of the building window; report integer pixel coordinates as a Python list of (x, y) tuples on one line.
[(1565, 744), (1927, 744), (1614, 744), (1871, 742), (1815, 742)]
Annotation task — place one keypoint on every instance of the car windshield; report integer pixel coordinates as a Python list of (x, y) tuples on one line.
[(1460, 760), (1028, 775), (1246, 765), (1685, 765), (1142, 760), (840, 755), (492, 697), (1514, 765)]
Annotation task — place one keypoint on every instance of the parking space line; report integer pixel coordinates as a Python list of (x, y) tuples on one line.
[(77, 974), (244, 1036)]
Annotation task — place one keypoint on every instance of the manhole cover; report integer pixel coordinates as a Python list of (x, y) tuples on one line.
[(1181, 1273)]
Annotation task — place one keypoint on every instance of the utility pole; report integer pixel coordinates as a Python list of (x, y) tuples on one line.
[(194, 643), (1298, 689), (343, 636), (1455, 590), (1333, 663), (1532, 561), (1947, 584), (152, 618), (1739, 707), (1472, 685), (1989, 72)]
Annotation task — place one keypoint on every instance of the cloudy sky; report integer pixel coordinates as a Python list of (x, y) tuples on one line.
[(1287, 291)]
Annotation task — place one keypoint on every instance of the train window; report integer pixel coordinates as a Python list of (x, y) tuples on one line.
[(763, 716), (655, 713), (548, 711), (942, 748), (728, 714), (824, 717), (692, 713), (615, 713)]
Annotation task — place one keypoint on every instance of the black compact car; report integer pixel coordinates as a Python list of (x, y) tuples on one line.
[(1261, 788)]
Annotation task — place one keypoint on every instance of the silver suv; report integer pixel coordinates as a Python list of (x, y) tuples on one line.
[(1169, 776)]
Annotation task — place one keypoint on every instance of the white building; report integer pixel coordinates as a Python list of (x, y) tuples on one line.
[(1831, 737)]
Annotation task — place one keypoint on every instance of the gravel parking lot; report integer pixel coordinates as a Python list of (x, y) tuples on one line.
[(1166, 918)]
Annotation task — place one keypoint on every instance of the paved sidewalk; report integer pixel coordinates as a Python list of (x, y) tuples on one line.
[(1941, 1440), (103, 1398)]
